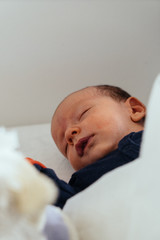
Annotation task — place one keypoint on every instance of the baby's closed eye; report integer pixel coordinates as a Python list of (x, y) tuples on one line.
[(84, 113)]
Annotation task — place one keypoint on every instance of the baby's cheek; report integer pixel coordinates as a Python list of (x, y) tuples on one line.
[(102, 124), (72, 158)]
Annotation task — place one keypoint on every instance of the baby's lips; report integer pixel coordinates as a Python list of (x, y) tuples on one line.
[(80, 146), (79, 150)]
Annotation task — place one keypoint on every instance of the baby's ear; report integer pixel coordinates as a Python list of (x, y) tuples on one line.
[(137, 109)]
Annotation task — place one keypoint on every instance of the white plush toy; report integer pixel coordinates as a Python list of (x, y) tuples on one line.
[(24, 198)]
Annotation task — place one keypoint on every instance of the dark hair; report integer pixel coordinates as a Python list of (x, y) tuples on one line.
[(116, 93)]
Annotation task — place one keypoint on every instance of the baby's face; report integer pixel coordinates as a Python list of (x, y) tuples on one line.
[(87, 126)]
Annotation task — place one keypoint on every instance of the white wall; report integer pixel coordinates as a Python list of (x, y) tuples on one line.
[(51, 48)]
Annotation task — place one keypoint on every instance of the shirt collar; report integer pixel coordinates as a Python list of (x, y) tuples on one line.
[(126, 144)]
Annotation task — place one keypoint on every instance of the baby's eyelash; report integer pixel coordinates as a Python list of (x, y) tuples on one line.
[(84, 112)]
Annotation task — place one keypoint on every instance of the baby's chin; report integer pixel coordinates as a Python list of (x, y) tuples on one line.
[(103, 149), (86, 162), (92, 156)]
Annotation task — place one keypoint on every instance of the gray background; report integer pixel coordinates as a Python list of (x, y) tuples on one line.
[(51, 48)]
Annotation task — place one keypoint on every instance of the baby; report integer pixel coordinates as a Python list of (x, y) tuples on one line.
[(97, 129)]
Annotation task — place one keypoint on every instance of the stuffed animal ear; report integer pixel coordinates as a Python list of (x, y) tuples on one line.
[(22, 187), (35, 193)]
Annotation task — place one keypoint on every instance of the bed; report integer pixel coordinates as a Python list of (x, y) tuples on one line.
[(123, 204)]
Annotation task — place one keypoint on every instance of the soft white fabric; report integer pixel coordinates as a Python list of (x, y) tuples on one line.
[(36, 142), (103, 210), (125, 203), (145, 207)]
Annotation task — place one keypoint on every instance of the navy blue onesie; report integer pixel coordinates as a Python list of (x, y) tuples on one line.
[(128, 150)]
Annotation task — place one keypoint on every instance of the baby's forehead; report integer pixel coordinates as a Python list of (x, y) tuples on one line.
[(84, 92), (78, 96)]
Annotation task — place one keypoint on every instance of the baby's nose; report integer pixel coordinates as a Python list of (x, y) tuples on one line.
[(71, 133)]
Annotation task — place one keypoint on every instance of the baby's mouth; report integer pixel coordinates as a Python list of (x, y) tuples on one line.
[(82, 143)]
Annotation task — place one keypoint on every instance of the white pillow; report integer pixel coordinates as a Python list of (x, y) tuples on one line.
[(125, 203), (36, 142)]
